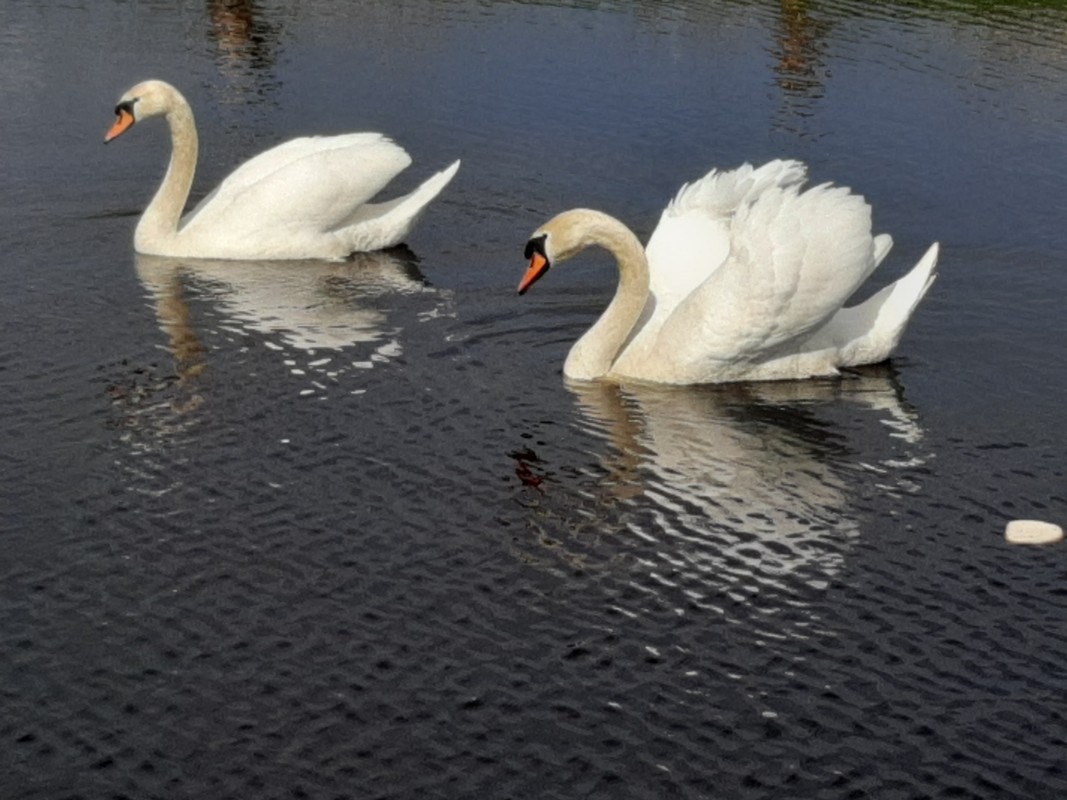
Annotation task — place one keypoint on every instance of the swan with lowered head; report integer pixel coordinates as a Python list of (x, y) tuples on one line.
[(307, 198), (745, 278)]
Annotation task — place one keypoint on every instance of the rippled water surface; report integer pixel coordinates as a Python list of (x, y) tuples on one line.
[(343, 530)]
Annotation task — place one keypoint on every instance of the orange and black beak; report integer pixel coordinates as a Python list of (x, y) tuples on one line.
[(124, 112), (539, 263)]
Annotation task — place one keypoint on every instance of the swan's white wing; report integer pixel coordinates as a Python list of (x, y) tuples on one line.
[(693, 237), (796, 258), (311, 183)]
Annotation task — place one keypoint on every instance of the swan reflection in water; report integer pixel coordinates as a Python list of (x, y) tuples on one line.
[(313, 328), (735, 490), (324, 319)]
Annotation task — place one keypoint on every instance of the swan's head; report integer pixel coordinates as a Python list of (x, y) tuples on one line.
[(557, 240), (538, 258), (148, 99)]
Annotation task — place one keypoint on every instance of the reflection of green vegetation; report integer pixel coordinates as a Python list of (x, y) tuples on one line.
[(984, 9), (973, 10), (1032, 13), (982, 6), (938, 8), (857, 8)]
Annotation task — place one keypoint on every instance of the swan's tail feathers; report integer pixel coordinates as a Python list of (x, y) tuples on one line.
[(869, 332), (883, 243), (880, 247), (376, 226)]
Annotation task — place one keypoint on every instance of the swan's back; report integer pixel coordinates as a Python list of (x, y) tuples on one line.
[(798, 256), (312, 183), (792, 259)]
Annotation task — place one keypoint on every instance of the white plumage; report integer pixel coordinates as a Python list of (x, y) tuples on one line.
[(306, 198), (744, 278)]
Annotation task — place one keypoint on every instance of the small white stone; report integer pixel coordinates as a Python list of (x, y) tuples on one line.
[(1032, 531)]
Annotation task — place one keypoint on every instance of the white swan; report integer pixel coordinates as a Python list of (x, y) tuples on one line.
[(744, 278), (306, 198)]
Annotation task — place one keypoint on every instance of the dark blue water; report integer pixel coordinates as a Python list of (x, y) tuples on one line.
[(342, 530)]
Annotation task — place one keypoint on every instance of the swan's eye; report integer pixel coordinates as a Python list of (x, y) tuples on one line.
[(536, 245), (126, 106)]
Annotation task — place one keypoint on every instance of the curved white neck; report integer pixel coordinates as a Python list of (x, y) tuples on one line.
[(594, 353), (162, 216)]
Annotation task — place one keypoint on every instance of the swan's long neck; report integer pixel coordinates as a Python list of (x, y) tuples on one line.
[(160, 220), (594, 353)]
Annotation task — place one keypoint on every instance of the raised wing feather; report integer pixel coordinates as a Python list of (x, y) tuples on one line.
[(312, 183), (693, 237), (795, 259)]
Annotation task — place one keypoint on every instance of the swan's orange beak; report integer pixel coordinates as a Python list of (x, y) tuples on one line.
[(122, 124), (538, 267)]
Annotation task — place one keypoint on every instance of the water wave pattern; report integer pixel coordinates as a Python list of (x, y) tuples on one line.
[(343, 531), (297, 611)]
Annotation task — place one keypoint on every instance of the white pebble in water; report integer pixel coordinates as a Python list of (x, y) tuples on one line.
[(1032, 531)]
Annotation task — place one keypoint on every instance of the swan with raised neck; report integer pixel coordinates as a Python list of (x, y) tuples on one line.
[(564, 236), (305, 198), (745, 278), (159, 222)]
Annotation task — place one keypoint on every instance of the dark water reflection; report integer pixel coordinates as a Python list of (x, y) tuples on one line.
[(342, 530), (801, 69)]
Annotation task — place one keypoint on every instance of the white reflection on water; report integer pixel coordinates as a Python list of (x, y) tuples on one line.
[(324, 319), (314, 327), (746, 488)]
